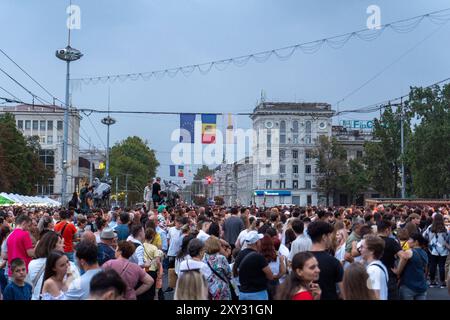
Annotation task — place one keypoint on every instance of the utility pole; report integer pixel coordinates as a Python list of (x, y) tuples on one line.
[(108, 121), (117, 189), (402, 149), (126, 189), (90, 164)]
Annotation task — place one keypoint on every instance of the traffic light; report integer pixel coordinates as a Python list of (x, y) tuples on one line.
[(209, 180)]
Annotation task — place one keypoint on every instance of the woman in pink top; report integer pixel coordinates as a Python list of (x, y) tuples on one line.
[(19, 244), (300, 283), (130, 272)]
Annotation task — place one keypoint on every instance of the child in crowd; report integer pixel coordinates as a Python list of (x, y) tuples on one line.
[(18, 289)]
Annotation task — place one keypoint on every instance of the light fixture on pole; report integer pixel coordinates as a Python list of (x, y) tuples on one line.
[(67, 54), (108, 121)]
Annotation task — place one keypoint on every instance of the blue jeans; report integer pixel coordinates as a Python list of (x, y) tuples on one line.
[(408, 294), (260, 295), (3, 280)]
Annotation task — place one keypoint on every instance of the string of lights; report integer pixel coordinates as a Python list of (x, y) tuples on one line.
[(284, 53)]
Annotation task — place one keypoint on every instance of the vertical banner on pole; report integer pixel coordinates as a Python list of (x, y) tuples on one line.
[(209, 128), (172, 171), (181, 171), (187, 123)]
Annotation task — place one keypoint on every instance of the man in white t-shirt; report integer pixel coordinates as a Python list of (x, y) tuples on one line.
[(371, 251), (173, 239), (204, 226)]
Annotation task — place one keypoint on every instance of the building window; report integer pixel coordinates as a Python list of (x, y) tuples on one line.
[(282, 154), (308, 127), (282, 184), (50, 125), (308, 184), (48, 158), (308, 199), (308, 168), (294, 184), (27, 124), (35, 125), (295, 126), (269, 139), (308, 140), (295, 154), (59, 125), (359, 154), (20, 124), (50, 139), (42, 125), (282, 138), (307, 154), (50, 186), (295, 168), (269, 153), (42, 139), (59, 139), (268, 184), (295, 138), (282, 168), (283, 126)]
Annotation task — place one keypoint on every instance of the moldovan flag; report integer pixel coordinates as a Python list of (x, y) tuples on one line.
[(187, 123), (172, 171), (208, 128), (181, 171)]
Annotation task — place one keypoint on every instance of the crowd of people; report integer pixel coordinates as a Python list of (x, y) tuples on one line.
[(220, 253)]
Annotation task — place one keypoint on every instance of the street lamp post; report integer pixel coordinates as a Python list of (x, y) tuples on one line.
[(67, 54), (108, 121)]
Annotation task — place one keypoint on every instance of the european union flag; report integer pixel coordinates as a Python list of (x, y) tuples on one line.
[(187, 122), (172, 170)]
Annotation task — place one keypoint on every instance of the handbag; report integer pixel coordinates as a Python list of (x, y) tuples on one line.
[(172, 278), (234, 296)]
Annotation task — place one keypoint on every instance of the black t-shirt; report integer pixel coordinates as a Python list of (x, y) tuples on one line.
[(251, 276), (155, 189), (331, 273), (391, 247)]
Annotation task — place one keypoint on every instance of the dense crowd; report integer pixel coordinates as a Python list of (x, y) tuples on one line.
[(219, 253)]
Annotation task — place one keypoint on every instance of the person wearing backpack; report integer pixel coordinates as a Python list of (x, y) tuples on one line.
[(372, 249)]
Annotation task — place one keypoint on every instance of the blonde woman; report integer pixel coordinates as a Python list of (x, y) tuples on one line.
[(191, 286)]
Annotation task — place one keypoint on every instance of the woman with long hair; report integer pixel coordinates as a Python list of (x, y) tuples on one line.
[(57, 276), (183, 253), (50, 241), (301, 283), (276, 263), (355, 283), (191, 286), (439, 245)]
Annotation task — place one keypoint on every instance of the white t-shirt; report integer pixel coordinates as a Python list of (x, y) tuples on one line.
[(203, 236), (190, 264), (175, 245), (241, 238), (378, 276), (340, 253)]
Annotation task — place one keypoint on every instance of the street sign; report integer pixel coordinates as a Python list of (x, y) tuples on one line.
[(357, 124)]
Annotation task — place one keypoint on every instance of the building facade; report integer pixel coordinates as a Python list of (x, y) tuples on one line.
[(47, 123), (286, 135)]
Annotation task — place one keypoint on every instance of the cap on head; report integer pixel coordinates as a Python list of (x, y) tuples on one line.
[(253, 237)]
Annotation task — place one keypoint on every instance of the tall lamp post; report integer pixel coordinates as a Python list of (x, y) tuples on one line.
[(67, 54), (108, 121)]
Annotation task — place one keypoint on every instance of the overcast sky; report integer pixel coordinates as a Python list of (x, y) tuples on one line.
[(145, 35)]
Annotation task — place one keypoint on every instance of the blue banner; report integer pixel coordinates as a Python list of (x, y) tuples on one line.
[(261, 193), (187, 123), (172, 171)]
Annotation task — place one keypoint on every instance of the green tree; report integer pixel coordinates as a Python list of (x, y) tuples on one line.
[(428, 151), (203, 172), (20, 165), (355, 180), (133, 157), (383, 156), (331, 166)]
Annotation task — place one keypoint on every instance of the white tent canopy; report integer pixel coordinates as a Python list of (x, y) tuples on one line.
[(30, 200)]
